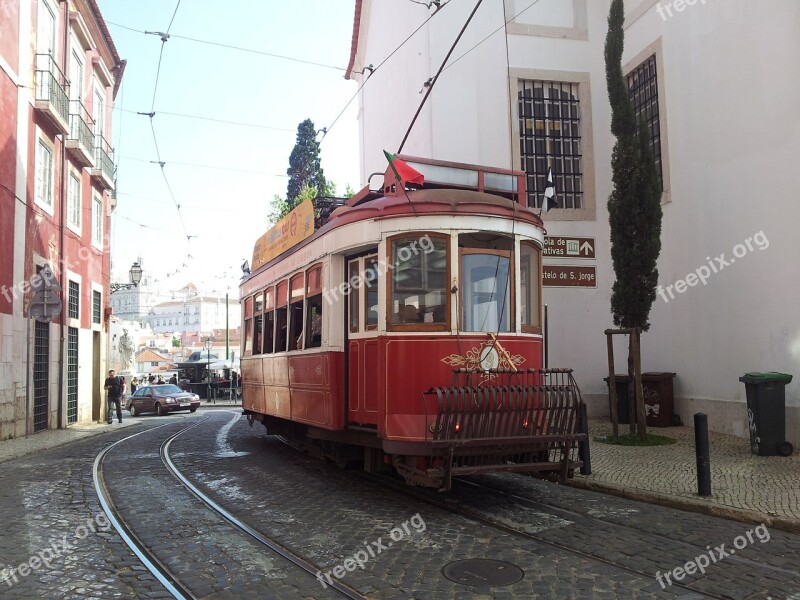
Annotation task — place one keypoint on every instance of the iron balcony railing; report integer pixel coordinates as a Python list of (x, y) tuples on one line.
[(80, 126), (51, 85), (103, 157)]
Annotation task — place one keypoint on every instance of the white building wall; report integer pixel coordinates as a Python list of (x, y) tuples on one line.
[(733, 134)]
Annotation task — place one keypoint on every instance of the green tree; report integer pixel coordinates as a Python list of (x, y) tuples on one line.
[(305, 169), (634, 206)]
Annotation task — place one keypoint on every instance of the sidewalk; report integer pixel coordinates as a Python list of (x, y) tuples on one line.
[(758, 489), (53, 438)]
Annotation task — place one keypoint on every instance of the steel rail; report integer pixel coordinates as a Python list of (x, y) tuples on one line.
[(576, 515), (475, 516), (149, 560), (273, 545)]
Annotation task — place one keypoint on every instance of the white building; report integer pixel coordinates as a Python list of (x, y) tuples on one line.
[(194, 313), (718, 82), (135, 303)]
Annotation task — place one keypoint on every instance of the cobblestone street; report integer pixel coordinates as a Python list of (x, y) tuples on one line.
[(569, 543)]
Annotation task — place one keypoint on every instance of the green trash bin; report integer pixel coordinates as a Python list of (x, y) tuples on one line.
[(766, 413)]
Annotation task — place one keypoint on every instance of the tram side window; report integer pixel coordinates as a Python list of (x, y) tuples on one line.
[(418, 288), (281, 317), (371, 293), (248, 337), (352, 296), (280, 329), (530, 290), (269, 332), (314, 322), (296, 324), (257, 325)]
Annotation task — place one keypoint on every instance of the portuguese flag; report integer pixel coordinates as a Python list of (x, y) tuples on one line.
[(402, 171)]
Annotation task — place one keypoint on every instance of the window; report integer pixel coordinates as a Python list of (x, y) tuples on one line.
[(371, 293), (74, 201), (281, 316), (485, 290), (247, 348), (97, 221), (76, 77), (550, 137), (643, 90), (73, 308), (352, 295), (296, 313), (46, 30), (97, 300), (530, 287), (419, 294), (99, 112), (44, 175), (154, 364), (313, 329)]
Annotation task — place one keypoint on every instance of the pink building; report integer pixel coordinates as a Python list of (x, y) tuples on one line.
[(59, 75)]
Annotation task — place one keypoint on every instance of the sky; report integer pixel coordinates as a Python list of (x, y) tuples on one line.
[(223, 176)]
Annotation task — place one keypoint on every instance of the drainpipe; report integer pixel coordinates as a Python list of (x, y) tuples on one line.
[(62, 216)]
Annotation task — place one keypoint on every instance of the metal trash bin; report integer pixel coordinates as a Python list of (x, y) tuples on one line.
[(659, 400), (766, 413)]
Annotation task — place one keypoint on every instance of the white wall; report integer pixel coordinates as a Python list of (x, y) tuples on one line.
[(733, 137)]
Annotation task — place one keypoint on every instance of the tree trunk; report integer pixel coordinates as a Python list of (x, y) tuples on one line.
[(631, 387)]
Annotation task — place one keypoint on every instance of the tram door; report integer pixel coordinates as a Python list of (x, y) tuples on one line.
[(362, 341)]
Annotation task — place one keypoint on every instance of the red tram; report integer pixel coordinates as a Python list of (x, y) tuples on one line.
[(403, 328)]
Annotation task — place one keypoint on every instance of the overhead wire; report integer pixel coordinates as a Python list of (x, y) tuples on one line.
[(216, 167), (205, 118), (372, 71), (233, 47)]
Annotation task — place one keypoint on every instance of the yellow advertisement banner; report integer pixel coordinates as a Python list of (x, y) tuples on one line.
[(290, 230)]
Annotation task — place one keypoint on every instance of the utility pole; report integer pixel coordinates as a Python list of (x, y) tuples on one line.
[(227, 330)]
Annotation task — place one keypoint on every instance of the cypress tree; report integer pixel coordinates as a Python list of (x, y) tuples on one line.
[(634, 206), (304, 164)]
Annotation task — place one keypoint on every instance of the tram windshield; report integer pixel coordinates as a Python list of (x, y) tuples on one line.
[(485, 292)]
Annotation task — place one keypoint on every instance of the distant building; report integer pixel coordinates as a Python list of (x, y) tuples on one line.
[(135, 303), (150, 361), (59, 76), (194, 314)]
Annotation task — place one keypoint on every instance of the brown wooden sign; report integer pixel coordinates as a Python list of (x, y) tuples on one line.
[(569, 276), (568, 247)]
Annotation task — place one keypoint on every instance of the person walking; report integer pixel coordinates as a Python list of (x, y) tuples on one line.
[(114, 388)]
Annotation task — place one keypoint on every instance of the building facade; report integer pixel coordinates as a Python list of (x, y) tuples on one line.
[(135, 303), (59, 75), (525, 88), (195, 313)]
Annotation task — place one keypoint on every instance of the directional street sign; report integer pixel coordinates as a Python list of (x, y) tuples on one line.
[(568, 247), (45, 306), (569, 276)]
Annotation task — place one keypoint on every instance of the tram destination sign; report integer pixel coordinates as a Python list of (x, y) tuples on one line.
[(569, 276), (568, 247)]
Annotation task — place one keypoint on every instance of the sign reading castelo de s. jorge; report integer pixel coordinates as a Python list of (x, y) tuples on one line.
[(289, 231)]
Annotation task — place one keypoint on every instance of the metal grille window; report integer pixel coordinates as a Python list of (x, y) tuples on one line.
[(72, 374), (74, 300), (643, 90), (550, 137), (97, 300), (41, 369)]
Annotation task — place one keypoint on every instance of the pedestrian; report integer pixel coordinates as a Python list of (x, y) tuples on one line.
[(134, 385), (113, 387), (173, 380)]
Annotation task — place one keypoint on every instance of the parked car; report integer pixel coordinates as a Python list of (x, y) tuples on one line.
[(162, 399)]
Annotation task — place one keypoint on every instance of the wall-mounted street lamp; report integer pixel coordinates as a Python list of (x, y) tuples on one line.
[(135, 275)]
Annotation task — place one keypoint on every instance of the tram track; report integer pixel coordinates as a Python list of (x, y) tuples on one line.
[(476, 516), (567, 513), (150, 560)]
